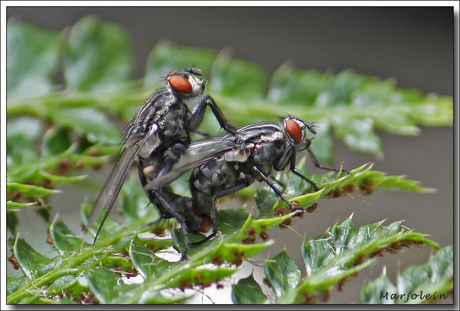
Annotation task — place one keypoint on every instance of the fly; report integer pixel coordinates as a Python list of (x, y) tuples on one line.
[(248, 155), (157, 135)]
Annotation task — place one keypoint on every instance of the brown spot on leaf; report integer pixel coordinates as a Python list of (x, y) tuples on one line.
[(64, 166), (16, 195), (285, 224), (312, 208), (80, 165), (367, 187), (14, 262), (49, 240), (217, 260)]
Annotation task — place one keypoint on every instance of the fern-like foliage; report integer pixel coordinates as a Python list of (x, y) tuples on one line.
[(340, 253), (75, 127), (425, 283)]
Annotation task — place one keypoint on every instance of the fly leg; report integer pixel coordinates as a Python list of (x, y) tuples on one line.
[(317, 164), (179, 218), (311, 182), (295, 171), (200, 109), (217, 196), (171, 156), (277, 191), (290, 155), (203, 133)]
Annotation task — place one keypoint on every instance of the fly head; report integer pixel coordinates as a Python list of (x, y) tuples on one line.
[(184, 84), (296, 130)]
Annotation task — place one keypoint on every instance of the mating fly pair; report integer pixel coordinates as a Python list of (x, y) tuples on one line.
[(159, 135)]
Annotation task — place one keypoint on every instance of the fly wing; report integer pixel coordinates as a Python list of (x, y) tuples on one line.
[(209, 145), (201, 149), (116, 179), (113, 184), (175, 174)]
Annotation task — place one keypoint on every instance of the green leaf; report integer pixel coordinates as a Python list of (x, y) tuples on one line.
[(282, 273), (78, 289), (323, 144), (331, 185), (106, 285), (343, 244), (66, 243), (13, 283), (343, 235), (339, 90), (265, 200), (433, 110), (381, 285), (259, 226), (27, 127), (57, 178), (379, 180), (203, 277), (78, 263), (434, 277), (109, 228), (61, 284), (358, 134), (150, 296), (237, 78), (343, 251), (317, 253), (12, 219), (234, 230), (28, 191), (32, 263), (133, 201), (56, 141), (294, 86), (37, 300), (21, 134), (230, 220), (152, 243), (90, 122), (248, 291), (97, 56), (425, 283), (33, 55), (146, 263), (19, 151), (10, 205), (236, 252)]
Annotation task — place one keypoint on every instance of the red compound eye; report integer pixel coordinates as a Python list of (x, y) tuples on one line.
[(293, 128), (180, 84)]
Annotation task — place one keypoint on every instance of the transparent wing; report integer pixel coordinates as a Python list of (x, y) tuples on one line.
[(214, 143), (115, 181), (168, 178), (199, 150)]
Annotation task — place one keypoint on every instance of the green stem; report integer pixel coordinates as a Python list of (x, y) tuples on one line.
[(73, 265)]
